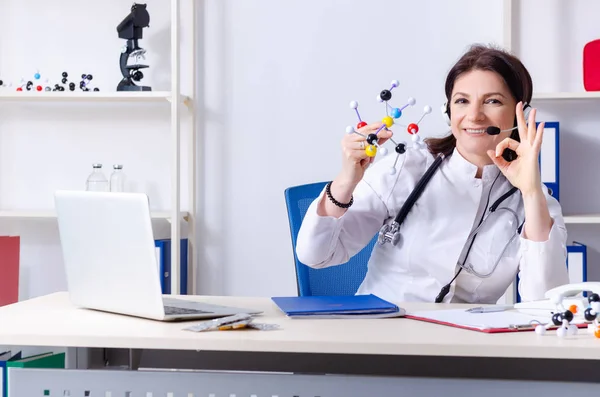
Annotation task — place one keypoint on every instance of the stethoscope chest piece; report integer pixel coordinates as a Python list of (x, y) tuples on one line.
[(389, 234)]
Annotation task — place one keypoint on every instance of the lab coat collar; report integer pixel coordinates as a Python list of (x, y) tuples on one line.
[(462, 166)]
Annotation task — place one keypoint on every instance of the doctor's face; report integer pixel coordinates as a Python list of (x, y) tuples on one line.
[(480, 99)]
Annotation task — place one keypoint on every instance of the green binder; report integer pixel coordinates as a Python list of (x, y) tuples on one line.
[(44, 360)]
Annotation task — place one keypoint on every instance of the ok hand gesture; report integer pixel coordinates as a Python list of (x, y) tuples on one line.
[(523, 173)]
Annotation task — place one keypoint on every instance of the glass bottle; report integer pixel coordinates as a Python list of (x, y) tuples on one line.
[(96, 181), (117, 179)]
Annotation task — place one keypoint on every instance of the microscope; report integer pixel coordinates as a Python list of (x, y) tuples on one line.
[(130, 29)]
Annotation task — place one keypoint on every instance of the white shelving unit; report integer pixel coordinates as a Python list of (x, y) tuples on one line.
[(582, 219), (548, 96), (566, 95), (175, 215), (507, 27), (39, 214), (95, 96)]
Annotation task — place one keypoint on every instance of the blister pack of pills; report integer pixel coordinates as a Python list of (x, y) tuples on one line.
[(237, 321)]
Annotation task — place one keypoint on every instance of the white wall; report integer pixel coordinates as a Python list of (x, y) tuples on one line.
[(278, 80), (275, 79)]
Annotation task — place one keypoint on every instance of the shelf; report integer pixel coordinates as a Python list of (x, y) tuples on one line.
[(567, 95), (52, 214), (91, 96), (589, 218)]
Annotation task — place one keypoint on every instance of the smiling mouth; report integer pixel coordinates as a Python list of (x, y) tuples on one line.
[(474, 131)]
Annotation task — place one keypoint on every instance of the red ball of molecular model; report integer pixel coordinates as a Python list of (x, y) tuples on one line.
[(392, 114), (563, 318)]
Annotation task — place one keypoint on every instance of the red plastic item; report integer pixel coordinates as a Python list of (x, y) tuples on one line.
[(412, 128), (591, 66), (9, 269), (360, 125)]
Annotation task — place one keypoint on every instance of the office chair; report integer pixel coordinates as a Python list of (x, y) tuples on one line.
[(343, 279)]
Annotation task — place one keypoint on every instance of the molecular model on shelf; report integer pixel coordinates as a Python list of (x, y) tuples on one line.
[(563, 318), (39, 84), (392, 114)]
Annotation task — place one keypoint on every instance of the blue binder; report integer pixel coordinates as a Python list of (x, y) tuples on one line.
[(5, 357), (163, 254), (549, 159)]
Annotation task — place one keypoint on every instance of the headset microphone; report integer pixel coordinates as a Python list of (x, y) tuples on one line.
[(496, 130)]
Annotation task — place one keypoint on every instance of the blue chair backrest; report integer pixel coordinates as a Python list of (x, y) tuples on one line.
[(343, 279)]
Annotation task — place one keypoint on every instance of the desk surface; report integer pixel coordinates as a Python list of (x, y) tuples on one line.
[(52, 321)]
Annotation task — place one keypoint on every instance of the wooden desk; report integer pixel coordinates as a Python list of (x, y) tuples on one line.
[(374, 347)]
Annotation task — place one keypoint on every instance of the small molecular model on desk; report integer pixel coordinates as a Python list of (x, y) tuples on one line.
[(392, 114), (563, 318)]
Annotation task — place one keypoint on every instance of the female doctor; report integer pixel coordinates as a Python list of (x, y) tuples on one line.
[(470, 233)]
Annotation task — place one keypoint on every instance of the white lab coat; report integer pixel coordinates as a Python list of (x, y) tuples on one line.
[(434, 234)]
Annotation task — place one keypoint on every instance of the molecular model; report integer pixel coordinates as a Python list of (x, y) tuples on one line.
[(37, 85), (85, 81), (392, 114), (562, 318), (29, 85)]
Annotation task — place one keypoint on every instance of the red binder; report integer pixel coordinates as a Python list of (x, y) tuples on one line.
[(9, 269)]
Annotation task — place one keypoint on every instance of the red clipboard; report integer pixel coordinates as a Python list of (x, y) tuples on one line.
[(458, 318)]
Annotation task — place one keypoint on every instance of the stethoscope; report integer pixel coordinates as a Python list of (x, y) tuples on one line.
[(390, 232)]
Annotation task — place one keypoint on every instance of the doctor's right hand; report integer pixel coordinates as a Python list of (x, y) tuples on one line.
[(355, 159)]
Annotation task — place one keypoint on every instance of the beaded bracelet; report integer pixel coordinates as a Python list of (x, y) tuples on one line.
[(334, 201)]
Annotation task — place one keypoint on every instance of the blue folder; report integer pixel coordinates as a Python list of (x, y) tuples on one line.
[(356, 305)]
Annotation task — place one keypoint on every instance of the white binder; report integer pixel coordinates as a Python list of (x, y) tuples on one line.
[(549, 158), (577, 262)]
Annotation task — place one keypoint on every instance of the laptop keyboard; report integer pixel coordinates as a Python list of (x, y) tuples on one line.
[(181, 310)]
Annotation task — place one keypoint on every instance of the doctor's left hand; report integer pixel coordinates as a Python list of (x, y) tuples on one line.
[(523, 172)]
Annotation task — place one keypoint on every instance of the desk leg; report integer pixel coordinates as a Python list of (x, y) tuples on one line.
[(135, 356), (123, 358), (83, 358)]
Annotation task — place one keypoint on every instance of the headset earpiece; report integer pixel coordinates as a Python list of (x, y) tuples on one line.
[(446, 113), (526, 110)]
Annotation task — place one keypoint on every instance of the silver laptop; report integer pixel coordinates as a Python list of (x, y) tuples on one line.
[(110, 258)]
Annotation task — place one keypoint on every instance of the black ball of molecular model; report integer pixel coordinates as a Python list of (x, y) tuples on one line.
[(392, 114), (562, 318), (85, 80)]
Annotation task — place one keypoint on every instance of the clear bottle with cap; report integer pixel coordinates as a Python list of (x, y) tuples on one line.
[(96, 181), (117, 179)]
